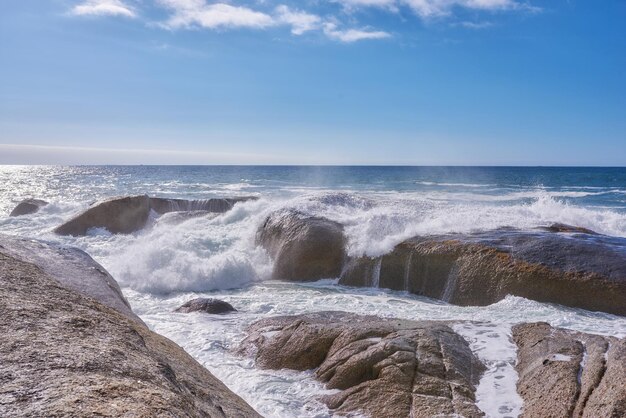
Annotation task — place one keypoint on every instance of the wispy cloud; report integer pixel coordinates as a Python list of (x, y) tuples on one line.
[(197, 13), (299, 21), (103, 8), (352, 35)]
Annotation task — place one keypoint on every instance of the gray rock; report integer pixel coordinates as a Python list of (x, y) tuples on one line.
[(28, 206), (210, 306), (66, 355), (382, 367), (216, 205), (570, 374), (303, 248), (71, 268)]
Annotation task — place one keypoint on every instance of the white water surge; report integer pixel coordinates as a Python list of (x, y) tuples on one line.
[(172, 261)]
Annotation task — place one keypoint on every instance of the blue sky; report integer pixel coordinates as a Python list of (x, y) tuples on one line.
[(434, 82)]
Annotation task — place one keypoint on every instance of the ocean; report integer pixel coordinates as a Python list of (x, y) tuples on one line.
[(168, 263)]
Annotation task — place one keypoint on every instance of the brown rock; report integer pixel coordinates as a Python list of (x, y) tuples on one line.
[(564, 373), (119, 216), (303, 247), (383, 367), (64, 354), (28, 206), (207, 305), (219, 205), (583, 270)]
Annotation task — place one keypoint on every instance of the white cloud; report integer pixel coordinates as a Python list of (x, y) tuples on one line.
[(352, 35), (299, 21), (438, 8), (192, 13), (103, 8)]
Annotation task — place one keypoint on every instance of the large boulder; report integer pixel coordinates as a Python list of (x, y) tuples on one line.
[(72, 268), (381, 367), (65, 354), (304, 248), (128, 214), (28, 206), (206, 305), (119, 216), (566, 374), (571, 268)]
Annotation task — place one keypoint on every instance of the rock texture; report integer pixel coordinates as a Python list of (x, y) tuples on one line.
[(570, 374), (303, 247), (64, 354), (28, 206), (71, 268), (383, 368), (210, 306), (574, 269), (129, 214)]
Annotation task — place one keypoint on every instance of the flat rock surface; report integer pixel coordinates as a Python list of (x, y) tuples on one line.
[(381, 367), (568, 267), (63, 354), (71, 268), (570, 374)]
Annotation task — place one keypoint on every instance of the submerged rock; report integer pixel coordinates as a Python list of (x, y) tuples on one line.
[(65, 354), (210, 306), (564, 373), (72, 268), (129, 214), (28, 206), (581, 270), (382, 367), (303, 247)]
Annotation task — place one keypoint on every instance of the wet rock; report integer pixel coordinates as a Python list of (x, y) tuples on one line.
[(581, 270), (303, 248), (119, 216), (382, 367), (564, 373), (28, 206), (65, 354), (219, 205), (129, 214), (71, 268), (210, 306), (559, 227)]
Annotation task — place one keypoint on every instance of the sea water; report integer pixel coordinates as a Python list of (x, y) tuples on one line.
[(169, 262)]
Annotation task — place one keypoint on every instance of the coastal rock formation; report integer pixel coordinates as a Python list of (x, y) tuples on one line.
[(71, 268), (570, 374), (119, 216), (574, 269), (303, 247), (129, 214), (65, 354), (382, 367), (207, 305), (28, 206)]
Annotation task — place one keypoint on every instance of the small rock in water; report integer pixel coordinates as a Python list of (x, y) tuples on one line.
[(28, 206), (211, 306)]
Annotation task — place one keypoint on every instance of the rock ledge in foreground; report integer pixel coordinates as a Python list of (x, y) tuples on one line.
[(383, 368)]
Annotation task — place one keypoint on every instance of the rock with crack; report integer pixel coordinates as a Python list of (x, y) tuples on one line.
[(564, 373), (381, 367), (65, 354)]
